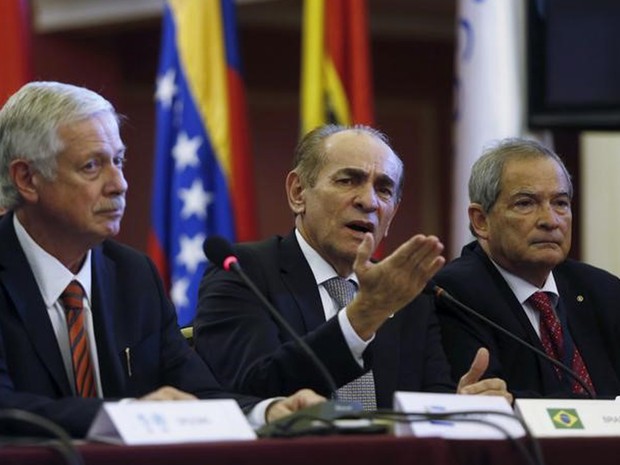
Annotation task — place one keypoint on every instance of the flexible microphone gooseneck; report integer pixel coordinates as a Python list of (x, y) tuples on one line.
[(442, 294), (219, 252), (318, 419), (62, 441)]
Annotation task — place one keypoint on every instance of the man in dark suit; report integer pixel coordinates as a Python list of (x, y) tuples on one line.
[(520, 213), (344, 191), (114, 333)]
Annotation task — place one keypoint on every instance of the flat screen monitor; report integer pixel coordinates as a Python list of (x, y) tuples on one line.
[(573, 56)]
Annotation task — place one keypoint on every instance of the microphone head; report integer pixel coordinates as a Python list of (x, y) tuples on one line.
[(219, 251)]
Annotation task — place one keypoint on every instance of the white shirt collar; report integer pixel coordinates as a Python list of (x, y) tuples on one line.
[(321, 269), (523, 289), (51, 276)]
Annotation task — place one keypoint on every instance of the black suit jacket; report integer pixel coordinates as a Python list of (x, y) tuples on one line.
[(248, 352), (130, 310), (589, 301)]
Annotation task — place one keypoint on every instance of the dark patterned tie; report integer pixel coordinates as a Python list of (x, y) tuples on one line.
[(72, 299), (361, 389), (553, 340)]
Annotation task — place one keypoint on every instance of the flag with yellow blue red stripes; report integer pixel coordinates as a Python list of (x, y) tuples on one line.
[(203, 181), (336, 81)]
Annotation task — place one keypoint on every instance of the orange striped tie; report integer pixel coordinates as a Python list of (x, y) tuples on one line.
[(72, 299)]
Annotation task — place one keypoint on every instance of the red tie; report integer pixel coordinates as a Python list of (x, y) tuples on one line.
[(72, 299), (553, 340)]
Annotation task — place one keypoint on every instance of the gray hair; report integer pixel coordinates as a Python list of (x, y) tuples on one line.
[(29, 123), (310, 153), (486, 174)]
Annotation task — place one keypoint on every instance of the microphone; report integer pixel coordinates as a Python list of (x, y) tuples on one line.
[(39, 424), (219, 251), (442, 294)]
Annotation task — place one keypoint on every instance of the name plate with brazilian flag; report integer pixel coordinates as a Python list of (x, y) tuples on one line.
[(570, 417)]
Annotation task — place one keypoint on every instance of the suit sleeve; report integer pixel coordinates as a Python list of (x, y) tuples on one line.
[(473, 280), (463, 335), (437, 374), (181, 367), (73, 414), (247, 350), (462, 338), (144, 315)]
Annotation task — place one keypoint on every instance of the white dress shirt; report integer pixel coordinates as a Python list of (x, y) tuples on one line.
[(323, 272), (524, 290), (53, 277)]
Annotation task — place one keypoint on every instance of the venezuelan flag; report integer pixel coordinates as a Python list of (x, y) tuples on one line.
[(203, 182), (15, 65), (336, 82)]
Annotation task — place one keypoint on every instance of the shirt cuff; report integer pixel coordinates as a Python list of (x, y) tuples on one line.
[(357, 345), (257, 417)]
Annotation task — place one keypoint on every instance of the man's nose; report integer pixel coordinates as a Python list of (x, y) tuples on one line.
[(548, 216), (116, 183), (367, 197)]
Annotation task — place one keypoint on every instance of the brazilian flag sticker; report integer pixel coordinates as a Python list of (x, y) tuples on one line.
[(565, 418)]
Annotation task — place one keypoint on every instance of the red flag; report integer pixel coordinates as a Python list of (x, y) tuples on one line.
[(15, 61), (347, 44), (336, 82), (336, 77)]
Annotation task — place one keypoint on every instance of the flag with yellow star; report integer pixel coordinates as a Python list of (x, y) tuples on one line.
[(203, 182), (336, 82), (565, 418)]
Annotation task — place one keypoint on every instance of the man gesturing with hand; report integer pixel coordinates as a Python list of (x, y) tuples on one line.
[(366, 321)]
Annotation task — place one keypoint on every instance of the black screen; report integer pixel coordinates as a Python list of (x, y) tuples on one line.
[(574, 63)]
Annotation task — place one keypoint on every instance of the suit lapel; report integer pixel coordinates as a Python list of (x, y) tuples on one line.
[(23, 291), (522, 327), (502, 300), (299, 280), (104, 296), (582, 325)]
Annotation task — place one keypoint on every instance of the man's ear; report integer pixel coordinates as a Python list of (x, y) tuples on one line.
[(478, 220), (295, 193), (22, 175)]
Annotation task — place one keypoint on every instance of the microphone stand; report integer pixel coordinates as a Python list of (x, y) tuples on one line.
[(319, 419), (441, 293)]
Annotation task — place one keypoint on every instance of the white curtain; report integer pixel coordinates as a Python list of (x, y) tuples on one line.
[(489, 91), (600, 197)]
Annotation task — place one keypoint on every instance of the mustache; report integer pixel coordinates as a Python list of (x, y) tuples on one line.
[(114, 204)]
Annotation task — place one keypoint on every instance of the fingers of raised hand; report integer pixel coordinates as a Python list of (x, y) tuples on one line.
[(488, 387), (364, 251), (427, 257), (479, 365), (401, 276)]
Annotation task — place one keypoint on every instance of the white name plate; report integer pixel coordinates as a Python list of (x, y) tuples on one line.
[(570, 417), (491, 417), (168, 422)]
